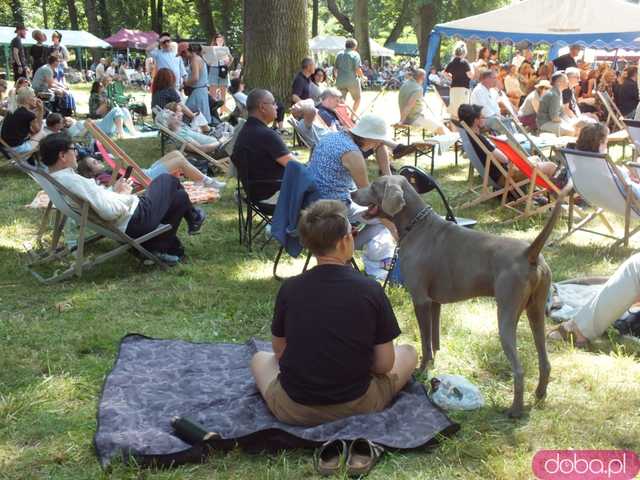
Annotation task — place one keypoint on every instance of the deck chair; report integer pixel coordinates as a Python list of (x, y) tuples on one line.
[(11, 155), (601, 184), (538, 183), (70, 206), (344, 114), (490, 188), (633, 129), (222, 164), (119, 161), (303, 138), (615, 118)]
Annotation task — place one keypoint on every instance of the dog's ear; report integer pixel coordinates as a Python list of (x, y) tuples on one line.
[(392, 199)]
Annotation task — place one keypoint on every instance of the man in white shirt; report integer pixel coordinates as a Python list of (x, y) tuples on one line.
[(165, 57), (101, 69), (163, 202), (486, 96)]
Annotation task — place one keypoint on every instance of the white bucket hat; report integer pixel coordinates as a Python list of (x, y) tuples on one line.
[(372, 127)]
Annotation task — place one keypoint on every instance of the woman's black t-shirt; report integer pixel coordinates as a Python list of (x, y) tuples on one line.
[(458, 68)]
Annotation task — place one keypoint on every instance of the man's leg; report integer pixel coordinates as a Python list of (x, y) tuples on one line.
[(356, 93), (617, 295), (265, 369)]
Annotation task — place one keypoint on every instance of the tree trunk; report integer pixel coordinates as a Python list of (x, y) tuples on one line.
[(105, 21), (92, 16), (361, 20), (226, 7), (341, 17), (160, 15), (18, 14), (427, 19), (45, 15), (206, 19), (315, 8), (154, 16), (401, 22), (275, 41), (73, 14)]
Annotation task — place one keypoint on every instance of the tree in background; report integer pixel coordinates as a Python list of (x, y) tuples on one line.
[(275, 42), (361, 29)]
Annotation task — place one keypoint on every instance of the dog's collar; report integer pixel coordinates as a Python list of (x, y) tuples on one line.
[(422, 214)]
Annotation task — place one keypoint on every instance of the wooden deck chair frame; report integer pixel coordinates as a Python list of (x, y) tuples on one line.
[(485, 189), (119, 156), (538, 182), (306, 142), (69, 205), (15, 156), (631, 202), (614, 115), (223, 165), (633, 129)]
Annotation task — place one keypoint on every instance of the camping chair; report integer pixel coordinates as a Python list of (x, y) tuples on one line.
[(601, 184), (489, 188), (70, 206), (424, 183), (222, 164), (615, 118), (116, 94), (120, 160)]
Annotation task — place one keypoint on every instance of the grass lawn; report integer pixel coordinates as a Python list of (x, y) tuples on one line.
[(57, 343)]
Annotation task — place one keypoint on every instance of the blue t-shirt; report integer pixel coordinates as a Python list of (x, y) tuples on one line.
[(169, 60), (332, 178)]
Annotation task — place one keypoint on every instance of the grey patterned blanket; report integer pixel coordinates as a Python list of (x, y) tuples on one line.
[(154, 380)]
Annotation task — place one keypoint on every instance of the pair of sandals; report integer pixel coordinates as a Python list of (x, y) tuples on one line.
[(359, 458)]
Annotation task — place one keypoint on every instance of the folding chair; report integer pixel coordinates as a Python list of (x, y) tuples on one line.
[(615, 118), (601, 184), (633, 129), (223, 164), (538, 182), (70, 206), (490, 188), (11, 155), (120, 160), (302, 137)]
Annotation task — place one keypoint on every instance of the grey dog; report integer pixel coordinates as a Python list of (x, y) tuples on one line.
[(442, 262)]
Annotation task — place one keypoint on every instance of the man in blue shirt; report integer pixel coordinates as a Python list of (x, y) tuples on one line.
[(165, 57)]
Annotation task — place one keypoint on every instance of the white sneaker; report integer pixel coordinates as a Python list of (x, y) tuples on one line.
[(212, 182)]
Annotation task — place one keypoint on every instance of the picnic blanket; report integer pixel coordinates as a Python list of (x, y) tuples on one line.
[(198, 194), (154, 380)]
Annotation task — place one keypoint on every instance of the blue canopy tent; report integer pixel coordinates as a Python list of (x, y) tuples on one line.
[(591, 23)]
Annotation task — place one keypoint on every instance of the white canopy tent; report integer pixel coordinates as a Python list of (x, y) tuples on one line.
[(333, 44), (70, 38), (591, 23)]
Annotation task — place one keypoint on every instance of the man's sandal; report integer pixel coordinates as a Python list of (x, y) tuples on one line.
[(363, 456), (330, 457), (562, 333)]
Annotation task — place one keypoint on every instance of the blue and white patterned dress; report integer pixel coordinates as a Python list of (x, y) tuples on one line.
[(332, 178)]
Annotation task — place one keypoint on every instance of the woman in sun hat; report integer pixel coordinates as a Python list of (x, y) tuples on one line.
[(338, 167)]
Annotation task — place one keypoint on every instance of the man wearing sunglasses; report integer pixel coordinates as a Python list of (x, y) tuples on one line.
[(165, 57)]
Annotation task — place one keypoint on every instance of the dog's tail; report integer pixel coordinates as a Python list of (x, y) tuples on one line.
[(538, 244)]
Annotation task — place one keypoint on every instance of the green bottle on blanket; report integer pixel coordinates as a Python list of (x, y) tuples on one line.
[(190, 432)]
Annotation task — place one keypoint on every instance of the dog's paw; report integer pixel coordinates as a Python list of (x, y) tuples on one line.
[(541, 392)]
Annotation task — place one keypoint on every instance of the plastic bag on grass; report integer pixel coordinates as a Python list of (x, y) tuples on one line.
[(453, 392)]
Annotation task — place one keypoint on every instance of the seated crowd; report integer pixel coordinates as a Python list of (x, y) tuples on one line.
[(304, 381)]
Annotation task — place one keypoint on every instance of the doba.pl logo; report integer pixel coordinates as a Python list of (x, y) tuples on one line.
[(585, 464)]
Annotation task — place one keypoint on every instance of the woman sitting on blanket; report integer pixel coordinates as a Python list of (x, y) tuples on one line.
[(172, 163), (325, 319), (112, 120), (619, 293), (594, 138)]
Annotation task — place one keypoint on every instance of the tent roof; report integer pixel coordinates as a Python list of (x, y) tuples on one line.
[(335, 44), (613, 23), (132, 39), (70, 38)]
